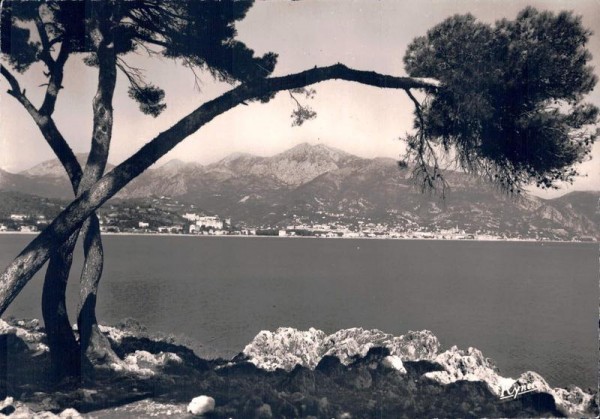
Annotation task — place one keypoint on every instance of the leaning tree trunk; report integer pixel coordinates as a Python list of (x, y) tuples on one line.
[(64, 349)]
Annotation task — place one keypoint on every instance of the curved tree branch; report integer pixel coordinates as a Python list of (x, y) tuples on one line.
[(45, 55), (55, 66), (16, 92), (48, 128), (64, 349), (32, 258), (55, 82)]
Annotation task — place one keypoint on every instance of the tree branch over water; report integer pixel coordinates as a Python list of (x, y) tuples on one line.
[(33, 257)]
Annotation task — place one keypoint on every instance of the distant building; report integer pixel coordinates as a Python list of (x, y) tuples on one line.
[(210, 222), (206, 221), (3, 227), (282, 233), (18, 217), (143, 224), (28, 229), (176, 229), (191, 216)]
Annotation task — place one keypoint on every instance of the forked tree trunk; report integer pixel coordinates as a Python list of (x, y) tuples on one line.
[(94, 346), (68, 356)]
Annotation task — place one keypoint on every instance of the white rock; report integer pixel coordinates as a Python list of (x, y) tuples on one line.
[(201, 405), (145, 364), (6, 402), (468, 365), (394, 362), (113, 333), (348, 343), (574, 402), (28, 331), (421, 345), (287, 347), (473, 366), (70, 413)]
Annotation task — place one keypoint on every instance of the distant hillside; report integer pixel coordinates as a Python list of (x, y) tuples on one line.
[(36, 185), (54, 169), (316, 183), (19, 203)]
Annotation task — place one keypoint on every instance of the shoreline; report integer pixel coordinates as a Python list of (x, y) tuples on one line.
[(331, 375), (315, 237)]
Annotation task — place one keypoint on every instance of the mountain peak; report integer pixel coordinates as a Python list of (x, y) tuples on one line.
[(173, 164), (315, 151), (54, 169), (235, 156)]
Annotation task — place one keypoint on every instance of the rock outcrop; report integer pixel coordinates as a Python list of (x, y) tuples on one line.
[(144, 363), (18, 410), (471, 365), (287, 348), (286, 373), (27, 330)]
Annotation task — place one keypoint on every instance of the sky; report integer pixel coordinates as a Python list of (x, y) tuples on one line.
[(363, 120)]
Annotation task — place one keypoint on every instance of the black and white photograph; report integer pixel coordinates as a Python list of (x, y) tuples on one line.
[(336, 209)]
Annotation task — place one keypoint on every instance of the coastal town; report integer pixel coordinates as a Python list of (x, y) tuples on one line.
[(167, 216)]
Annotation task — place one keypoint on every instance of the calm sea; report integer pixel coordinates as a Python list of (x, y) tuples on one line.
[(529, 306)]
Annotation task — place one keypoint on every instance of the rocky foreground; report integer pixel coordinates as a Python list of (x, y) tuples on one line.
[(353, 373)]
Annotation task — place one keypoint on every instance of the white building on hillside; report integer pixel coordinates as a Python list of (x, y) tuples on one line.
[(210, 222), (190, 216), (207, 222)]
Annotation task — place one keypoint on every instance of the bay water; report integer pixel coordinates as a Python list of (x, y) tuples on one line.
[(527, 305)]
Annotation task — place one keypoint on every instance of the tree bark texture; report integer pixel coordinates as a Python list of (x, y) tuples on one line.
[(94, 346), (64, 349)]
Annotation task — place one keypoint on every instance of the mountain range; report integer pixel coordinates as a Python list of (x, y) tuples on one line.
[(317, 183)]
